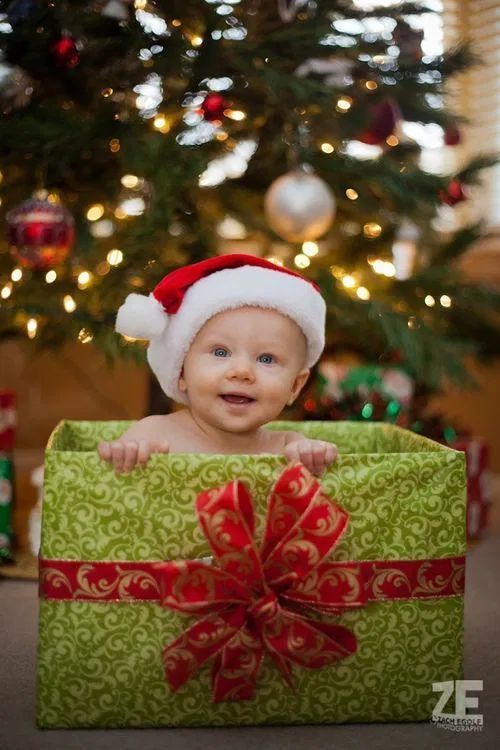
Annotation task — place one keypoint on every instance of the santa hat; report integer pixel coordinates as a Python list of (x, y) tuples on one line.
[(187, 298)]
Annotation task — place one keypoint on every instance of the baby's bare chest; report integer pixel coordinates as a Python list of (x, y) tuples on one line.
[(183, 441)]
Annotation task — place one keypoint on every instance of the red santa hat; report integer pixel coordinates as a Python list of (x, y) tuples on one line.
[(179, 306)]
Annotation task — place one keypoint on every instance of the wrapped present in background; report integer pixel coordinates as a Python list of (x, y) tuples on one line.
[(7, 420), (160, 606), (6, 485), (478, 483), (346, 389)]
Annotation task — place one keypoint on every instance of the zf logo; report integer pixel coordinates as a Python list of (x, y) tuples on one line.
[(460, 721)]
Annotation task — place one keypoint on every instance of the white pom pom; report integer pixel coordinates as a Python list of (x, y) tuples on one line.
[(141, 317)]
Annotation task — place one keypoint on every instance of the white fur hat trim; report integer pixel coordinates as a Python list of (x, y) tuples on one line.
[(141, 317)]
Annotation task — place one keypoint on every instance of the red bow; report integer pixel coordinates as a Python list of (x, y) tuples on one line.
[(254, 601)]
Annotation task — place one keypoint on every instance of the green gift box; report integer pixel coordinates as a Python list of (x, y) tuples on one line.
[(100, 662)]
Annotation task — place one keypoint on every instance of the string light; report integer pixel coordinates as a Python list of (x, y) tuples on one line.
[(344, 104), (6, 291), (160, 123), (349, 281), (84, 279), (196, 41), (384, 267), (114, 145), (114, 257), (445, 300), (235, 114), (363, 293), (69, 303), (372, 229), (336, 272), (129, 181), (50, 277), (392, 140), (176, 22), (84, 336), (31, 328), (351, 194), (16, 274), (371, 85), (95, 212), (310, 249), (107, 92), (429, 300), (301, 260), (102, 268), (327, 148), (276, 261)]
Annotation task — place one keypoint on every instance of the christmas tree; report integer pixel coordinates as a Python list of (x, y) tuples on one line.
[(137, 137)]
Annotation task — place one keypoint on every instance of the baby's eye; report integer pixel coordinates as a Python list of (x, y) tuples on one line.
[(217, 351), (268, 357)]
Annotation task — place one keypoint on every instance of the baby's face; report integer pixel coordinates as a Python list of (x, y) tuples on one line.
[(248, 352)]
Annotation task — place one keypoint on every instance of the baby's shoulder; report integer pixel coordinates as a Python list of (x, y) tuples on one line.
[(153, 427)]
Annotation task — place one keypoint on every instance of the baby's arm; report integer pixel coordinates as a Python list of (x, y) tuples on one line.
[(135, 446), (316, 455)]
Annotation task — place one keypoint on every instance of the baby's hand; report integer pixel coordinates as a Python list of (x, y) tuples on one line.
[(316, 455), (125, 455)]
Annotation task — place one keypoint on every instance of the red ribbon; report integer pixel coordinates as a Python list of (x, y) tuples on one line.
[(256, 601)]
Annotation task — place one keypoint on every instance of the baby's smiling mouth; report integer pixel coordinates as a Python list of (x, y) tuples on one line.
[(236, 398)]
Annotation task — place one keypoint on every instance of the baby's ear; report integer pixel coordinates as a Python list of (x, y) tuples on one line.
[(298, 384), (181, 382)]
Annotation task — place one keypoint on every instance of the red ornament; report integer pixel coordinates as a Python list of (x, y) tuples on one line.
[(40, 233), (384, 118), (213, 107), (453, 194), (452, 136), (65, 52)]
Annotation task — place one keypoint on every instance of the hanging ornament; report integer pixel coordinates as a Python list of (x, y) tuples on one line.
[(117, 10), (40, 233), (452, 136), (384, 119), (288, 9), (299, 206), (213, 107), (454, 193), (16, 88), (404, 249), (65, 52), (409, 41)]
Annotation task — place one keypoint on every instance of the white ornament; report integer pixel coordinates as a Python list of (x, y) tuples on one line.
[(337, 70), (299, 206), (404, 250), (115, 9)]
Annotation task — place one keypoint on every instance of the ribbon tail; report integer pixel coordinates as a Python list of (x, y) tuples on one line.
[(308, 643), (236, 667), (203, 640)]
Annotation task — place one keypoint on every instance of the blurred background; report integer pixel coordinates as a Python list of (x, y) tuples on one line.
[(356, 141)]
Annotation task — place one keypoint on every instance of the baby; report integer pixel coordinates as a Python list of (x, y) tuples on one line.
[(232, 338)]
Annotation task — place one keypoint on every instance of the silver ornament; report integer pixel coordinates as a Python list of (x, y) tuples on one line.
[(299, 206), (16, 88)]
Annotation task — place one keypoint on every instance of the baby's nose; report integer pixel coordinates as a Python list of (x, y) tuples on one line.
[(241, 368)]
